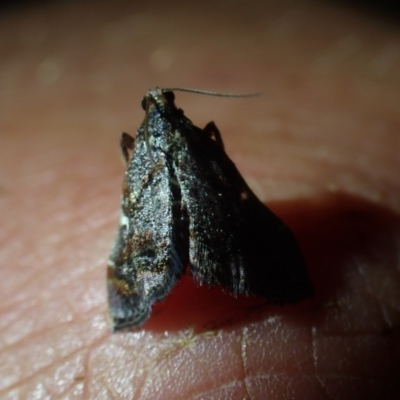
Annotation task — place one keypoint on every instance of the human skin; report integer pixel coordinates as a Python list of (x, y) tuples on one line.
[(320, 148)]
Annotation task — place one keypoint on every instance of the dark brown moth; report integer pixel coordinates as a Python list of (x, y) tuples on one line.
[(185, 205)]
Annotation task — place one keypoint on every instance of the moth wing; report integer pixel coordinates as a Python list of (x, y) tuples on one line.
[(234, 240), (144, 263)]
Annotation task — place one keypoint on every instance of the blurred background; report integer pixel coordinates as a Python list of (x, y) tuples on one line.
[(81, 58)]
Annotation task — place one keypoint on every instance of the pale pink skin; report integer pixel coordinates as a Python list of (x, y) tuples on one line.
[(321, 148)]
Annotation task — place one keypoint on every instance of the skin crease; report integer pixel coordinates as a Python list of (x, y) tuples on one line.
[(320, 148)]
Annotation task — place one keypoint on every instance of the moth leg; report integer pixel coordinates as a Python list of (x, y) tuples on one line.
[(213, 132), (126, 143)]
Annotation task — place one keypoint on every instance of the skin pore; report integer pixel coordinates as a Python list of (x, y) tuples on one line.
[(320, 148)]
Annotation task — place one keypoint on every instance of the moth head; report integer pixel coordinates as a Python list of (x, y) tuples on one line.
[(169, 96), (159, 97)]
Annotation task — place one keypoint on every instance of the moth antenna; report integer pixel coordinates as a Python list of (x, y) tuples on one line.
[(210, 93)]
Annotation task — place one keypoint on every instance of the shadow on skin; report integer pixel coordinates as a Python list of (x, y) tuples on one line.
[(330, 231)]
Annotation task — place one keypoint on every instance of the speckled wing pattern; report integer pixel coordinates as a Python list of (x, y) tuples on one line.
[(184, 202), (146, 260)]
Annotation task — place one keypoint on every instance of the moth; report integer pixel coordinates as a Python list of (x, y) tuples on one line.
[(185, 205)]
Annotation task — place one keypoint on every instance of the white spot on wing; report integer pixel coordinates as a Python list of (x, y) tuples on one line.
[(123, 220)]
